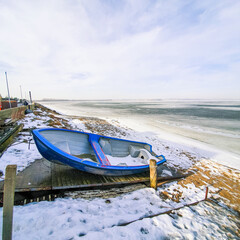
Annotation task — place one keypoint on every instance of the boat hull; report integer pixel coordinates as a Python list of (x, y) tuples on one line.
[(54, 154)]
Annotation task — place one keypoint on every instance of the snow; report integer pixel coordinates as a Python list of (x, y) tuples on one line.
[(23, 151), (130, 161), (97, 218), (177, 155), (35, 121), (20, 152), (125, 161), (20, 155), (77, 125), (207, 151)]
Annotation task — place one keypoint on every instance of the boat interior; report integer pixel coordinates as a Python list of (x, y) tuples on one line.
[(78, 144)]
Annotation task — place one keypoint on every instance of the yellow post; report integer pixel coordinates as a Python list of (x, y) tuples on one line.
[(8, 201), (153, 173)]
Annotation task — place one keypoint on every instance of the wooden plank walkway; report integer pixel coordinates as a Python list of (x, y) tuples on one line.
[(43, 175), (44, 180)]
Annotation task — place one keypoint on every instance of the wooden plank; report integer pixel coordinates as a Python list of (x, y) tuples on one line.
[(8, 201), (44, 175), (153, 173), (64, 176), (8, 137), (35, 176)]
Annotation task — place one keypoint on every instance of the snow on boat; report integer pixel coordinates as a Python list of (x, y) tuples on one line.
[(94, 153)]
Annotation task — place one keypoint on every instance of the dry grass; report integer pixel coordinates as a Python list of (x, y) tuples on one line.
[(223, 178)]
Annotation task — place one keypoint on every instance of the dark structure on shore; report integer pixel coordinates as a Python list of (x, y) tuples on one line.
[(5, 104)]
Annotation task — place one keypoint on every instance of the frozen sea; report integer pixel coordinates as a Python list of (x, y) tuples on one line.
[(210, 125)]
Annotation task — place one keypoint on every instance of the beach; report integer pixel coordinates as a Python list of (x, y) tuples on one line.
[(121, 120), (74, 217), (212, 127)]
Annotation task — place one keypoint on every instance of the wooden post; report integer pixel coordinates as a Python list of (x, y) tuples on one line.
[(153, 174), (206, 194), (8, 201)]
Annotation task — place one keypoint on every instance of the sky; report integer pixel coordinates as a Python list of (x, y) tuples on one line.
[(133, 49)]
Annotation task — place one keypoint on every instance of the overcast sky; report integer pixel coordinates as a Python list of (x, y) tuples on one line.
[(120, 49)]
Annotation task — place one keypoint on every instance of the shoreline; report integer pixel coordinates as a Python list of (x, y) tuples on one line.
[(223, 183), (207, 144), (228, 178), (174, 134)]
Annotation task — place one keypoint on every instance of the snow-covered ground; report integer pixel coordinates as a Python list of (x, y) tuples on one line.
[(178, 156), (98, 218), (24, 151), (66, 219)]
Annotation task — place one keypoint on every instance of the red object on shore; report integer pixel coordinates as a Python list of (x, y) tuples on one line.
[(5, 104)]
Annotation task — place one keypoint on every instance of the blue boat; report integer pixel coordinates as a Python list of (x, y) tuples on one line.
[(94, 153)]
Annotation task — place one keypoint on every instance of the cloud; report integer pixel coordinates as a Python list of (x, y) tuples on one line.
[(123, 49)]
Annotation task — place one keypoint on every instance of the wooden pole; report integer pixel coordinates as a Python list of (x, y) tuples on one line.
[(153, 174), (8, 201), (206, 194)]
